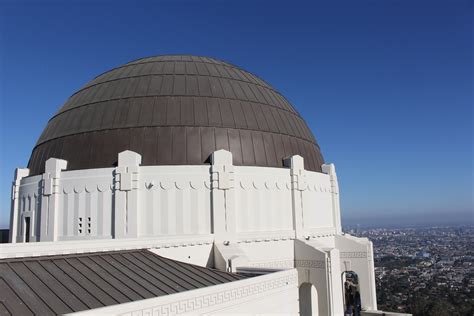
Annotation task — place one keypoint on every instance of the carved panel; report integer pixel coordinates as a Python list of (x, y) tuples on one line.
[(217, 297), (353, 254), (312, 264)]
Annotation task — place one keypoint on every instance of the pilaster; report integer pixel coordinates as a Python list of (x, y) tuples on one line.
[(335, 282), (298, 185), (126, 210), (223, 196), (50, 198), (20, 173), (330, 170)]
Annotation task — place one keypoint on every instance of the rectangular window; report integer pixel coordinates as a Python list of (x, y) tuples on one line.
[(27, 229)]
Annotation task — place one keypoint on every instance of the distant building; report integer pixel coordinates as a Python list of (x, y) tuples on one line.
[(174, 185)]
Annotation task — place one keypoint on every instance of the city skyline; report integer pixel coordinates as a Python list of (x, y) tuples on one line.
[(385, 87)]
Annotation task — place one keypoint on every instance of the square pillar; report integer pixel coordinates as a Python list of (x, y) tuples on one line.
[(50, 198), (14, 210), (298, 185), (330, 170), (223, 196), (126, 200)]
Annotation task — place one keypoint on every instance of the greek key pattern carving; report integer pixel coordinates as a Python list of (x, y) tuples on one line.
[(216, 298), (275, 264), (314, 264), (353, 254)]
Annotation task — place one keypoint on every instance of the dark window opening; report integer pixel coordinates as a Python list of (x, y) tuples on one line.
[(27, 229)]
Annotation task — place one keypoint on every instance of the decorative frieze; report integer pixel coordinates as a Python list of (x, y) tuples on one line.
[(353, 254), (219, 296), (311, 264), (274, 264)]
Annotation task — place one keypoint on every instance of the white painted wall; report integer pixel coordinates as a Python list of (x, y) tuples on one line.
[(28, 204), (85, 204), (274, 293), (317, 202), (144, 201), (262, 199), (200, 255), (255, 217), (172, 247), (357, 255)]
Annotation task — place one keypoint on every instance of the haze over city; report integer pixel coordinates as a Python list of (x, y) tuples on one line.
[(385, 86)]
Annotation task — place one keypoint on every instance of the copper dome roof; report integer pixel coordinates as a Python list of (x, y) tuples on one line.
[(176, 110)]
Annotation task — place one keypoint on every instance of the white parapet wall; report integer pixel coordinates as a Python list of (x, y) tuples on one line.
[(273, 293), (132, 201), (262, 199), (177, 247)]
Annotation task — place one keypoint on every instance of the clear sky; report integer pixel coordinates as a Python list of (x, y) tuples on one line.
[(386, 86)]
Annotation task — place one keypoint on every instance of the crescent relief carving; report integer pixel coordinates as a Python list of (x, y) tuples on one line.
[(101, 187), (79, 188), (278, 185), (165, 185), (196, 184), (180, 185), (207, 184), (90, 188), (67, 189), (257, 184)]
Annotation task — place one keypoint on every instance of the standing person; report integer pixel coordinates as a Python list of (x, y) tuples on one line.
[(357, 304), (347, 298)]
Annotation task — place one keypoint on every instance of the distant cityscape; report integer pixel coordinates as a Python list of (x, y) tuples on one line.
[(423, 271)]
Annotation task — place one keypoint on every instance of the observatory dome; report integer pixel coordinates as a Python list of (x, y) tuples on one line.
[(176, 110)]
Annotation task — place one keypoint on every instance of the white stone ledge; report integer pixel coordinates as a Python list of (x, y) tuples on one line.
[(265, 236), (81, 246)]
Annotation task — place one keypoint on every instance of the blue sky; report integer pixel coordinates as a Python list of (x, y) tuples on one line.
[(386, 86)]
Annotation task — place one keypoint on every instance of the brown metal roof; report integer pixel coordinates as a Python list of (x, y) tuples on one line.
[(52, 285), (176, 110)]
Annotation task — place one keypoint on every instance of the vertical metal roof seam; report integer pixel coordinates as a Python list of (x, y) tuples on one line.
[(16, 294), (162, 263), (195, 279), (170, 271), (81, 259), (206, 281), (66, 285), (170, 290), (31, 289), (192, 267), (96, 281), (81, 274), (149, 283), (169, 94), (46, 285)]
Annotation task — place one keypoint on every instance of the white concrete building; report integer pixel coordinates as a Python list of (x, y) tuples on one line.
[(183, 158)]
